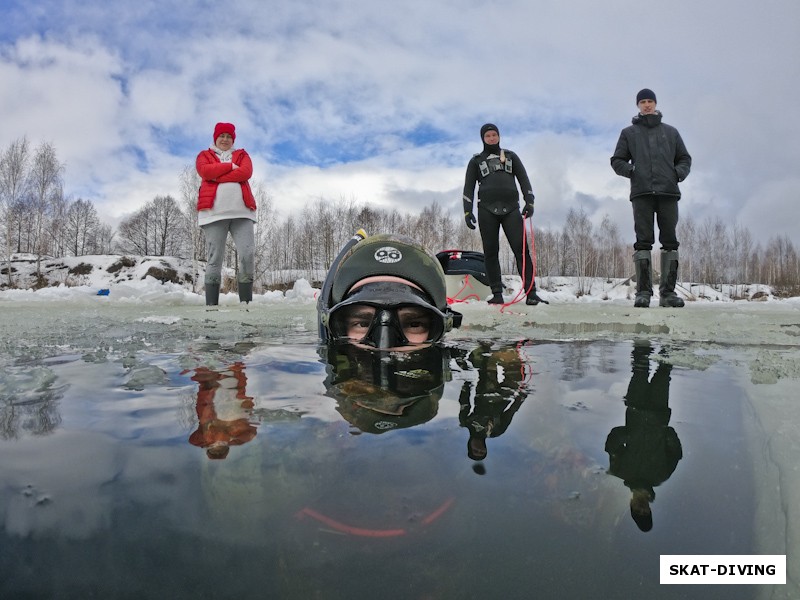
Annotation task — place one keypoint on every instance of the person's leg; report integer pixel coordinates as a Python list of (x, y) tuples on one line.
[(242, 231), (215, 233), (643, 217), (644, 210), (489, 225), (667, 219), (643, 269), (514, 228)]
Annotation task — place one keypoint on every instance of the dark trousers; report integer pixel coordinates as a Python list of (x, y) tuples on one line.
[(513, 227), (662, 209)]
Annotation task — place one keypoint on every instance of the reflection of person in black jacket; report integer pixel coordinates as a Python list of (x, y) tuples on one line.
[(645, 451), (496, 172), (499, 393), (653, 156)]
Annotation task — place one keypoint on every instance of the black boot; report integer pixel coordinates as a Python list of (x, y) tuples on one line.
[(533, 298), (669, 277), (246, 292), (212, 294), (644, 278), (497, 297)]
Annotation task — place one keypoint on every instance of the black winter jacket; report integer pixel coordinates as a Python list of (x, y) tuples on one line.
[(653, 156), (497, 191)]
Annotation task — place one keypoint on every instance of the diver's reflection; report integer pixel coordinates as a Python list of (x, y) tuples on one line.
[(378, 391), (645, 451), (224, 410), (499, 392)]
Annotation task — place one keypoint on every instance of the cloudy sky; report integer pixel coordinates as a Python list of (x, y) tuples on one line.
[(381, 102)]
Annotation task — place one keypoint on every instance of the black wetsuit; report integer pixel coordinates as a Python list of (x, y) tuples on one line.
[(498, 206)]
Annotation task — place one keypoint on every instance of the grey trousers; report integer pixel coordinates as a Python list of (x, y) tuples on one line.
[(243, 233)]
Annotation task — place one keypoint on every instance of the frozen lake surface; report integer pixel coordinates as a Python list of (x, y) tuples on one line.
[(107, 410)]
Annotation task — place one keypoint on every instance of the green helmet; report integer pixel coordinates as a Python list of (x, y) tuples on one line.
[(386, 255)]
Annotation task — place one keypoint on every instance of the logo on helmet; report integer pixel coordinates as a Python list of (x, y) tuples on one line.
[(388, 255)]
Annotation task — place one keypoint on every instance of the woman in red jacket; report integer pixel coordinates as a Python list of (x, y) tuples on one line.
[(226, 205)]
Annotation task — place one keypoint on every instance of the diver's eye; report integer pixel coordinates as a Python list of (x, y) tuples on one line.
[(414, 321), (358, 325), (357, 320)]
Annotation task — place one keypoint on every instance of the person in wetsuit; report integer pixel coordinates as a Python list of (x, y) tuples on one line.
[(382, 313), (496, 172)]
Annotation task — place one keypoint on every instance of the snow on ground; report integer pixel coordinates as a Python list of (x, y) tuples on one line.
[(579, 309)]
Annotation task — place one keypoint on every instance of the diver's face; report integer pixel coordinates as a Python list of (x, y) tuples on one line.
[(414, 321)]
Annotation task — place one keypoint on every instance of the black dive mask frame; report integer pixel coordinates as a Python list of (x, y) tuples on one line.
[(385, 330)]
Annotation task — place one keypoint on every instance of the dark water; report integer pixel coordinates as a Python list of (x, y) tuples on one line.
[(108, 488)]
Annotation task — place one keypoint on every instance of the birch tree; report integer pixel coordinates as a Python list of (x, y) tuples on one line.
[(45, 191), (81, 225), (13, 186)]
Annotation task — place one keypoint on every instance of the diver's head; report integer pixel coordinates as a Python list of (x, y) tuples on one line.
[(387, 292)]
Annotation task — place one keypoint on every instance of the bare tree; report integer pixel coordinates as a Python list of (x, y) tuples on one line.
[(687, 234), (742, 247), (713, 251), (155, 229), (264, 233), (45, 188), (13, 186), (135, 233), (102, 241), (190, 185), (580, 249), (167, 226), (610, 249), (81, 225)]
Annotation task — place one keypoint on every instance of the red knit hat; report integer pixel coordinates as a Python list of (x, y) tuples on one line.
[(224, 128)]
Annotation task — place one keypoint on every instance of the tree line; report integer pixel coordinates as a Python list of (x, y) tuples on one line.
[(37, 218)]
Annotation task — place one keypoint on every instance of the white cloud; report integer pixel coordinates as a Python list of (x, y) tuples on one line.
[(382, 102)]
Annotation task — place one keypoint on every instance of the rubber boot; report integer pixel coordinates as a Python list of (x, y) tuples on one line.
[(246, 292), (669, 277), (533, 298), (644, 278), (497, 297), (212, 294)]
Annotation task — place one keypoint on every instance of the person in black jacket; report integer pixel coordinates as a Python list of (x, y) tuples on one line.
[(646, 450), (653, 156), (496, 171)]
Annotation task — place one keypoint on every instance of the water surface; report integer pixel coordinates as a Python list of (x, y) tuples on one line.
[(244, 461)]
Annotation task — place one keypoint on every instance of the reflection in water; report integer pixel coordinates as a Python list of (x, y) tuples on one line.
[(28, 401), (381, 391), (645, 451), (224, 410), (117, 504), (498, 394)]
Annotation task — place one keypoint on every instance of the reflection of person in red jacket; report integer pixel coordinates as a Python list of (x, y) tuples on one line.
[(225, 204), (224, 410)]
